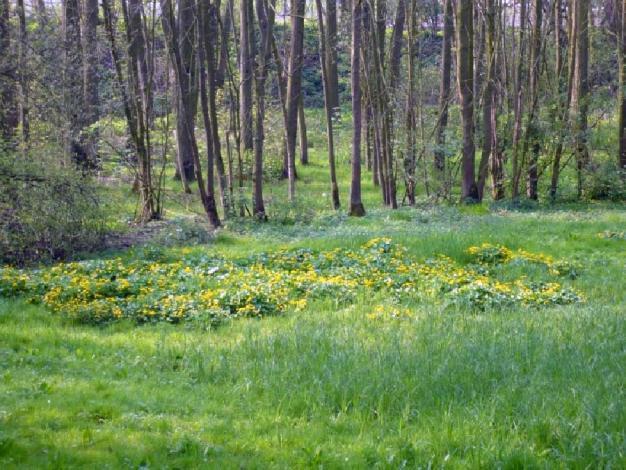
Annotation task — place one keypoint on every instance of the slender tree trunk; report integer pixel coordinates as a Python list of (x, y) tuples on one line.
[(23, 76), (331, 54), (324, 65), (444, 93), (176, 50), (206, 81), (409, 159), (561, 111), (520, 78), (294, 88), (9, 116), (187, 94), (304, 142), (581, 104), (356, 205), (245, 73), (531, 128), (488, 98), (465, 64), (622, 96), (73, 82), (265, 16)]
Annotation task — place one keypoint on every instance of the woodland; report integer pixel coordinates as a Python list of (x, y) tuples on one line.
[(312, 233)]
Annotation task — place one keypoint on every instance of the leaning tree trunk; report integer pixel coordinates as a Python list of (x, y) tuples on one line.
[(465, 65), (294, 88), (356, 205)]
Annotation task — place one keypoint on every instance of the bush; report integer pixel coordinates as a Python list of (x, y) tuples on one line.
[(606, 183), (46, 212)]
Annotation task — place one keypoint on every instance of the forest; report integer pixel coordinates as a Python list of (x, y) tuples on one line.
[(312, 233)]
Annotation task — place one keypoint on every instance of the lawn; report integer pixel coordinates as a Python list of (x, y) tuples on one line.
[(368, 381)]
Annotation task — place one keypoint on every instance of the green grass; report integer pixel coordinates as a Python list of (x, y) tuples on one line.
[(330, 386)]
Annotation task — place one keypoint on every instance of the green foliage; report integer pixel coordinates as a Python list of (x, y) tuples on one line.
[(46, 212)]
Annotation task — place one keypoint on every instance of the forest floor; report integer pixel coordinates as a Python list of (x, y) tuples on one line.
[(505, 357)]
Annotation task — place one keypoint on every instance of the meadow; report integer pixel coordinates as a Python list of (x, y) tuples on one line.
[(361, 375)]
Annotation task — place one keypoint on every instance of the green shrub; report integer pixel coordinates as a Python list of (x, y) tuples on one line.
[(46, 212)]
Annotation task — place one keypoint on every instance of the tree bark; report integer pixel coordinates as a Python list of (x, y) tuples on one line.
[(324, 64), (245, 77), (294, 82), (9, 116), (444, 93), (331, 54), (622, 96), (356, 205), (465, 65), (488, 98), (187, 102)]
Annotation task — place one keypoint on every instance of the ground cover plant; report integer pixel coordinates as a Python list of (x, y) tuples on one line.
[(375, 378)]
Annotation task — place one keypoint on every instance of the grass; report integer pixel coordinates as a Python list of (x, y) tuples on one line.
[(332, 385)]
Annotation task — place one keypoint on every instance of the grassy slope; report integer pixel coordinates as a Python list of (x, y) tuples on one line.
[(329, 385)]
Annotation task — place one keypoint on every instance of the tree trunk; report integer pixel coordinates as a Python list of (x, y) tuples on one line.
[(356, 205), (73, 82), (8, 93), (531, 128), (581, 104), (304, 141), (22, 65), (205, 59), (520, 78), (245, 77), (488, 98), (187, 91), (294, 88), (465, 65), (324, 65), (265, 16), (331, 54), (444, 94), (622, 96)]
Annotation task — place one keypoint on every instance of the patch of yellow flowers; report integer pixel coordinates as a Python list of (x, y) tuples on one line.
[(202, 287)]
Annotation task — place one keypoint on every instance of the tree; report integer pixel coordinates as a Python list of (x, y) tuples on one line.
[(330, 56), (134, 97), (581, 88), (294, 82), (531, 127), (444, 93), (73, 81), (265, 16), (489, 123), (183, 75), (8, 92), (90, 79), (324, 65), (356, 205), (622, 97), (187, 92), (245, 79), (465, 66)]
